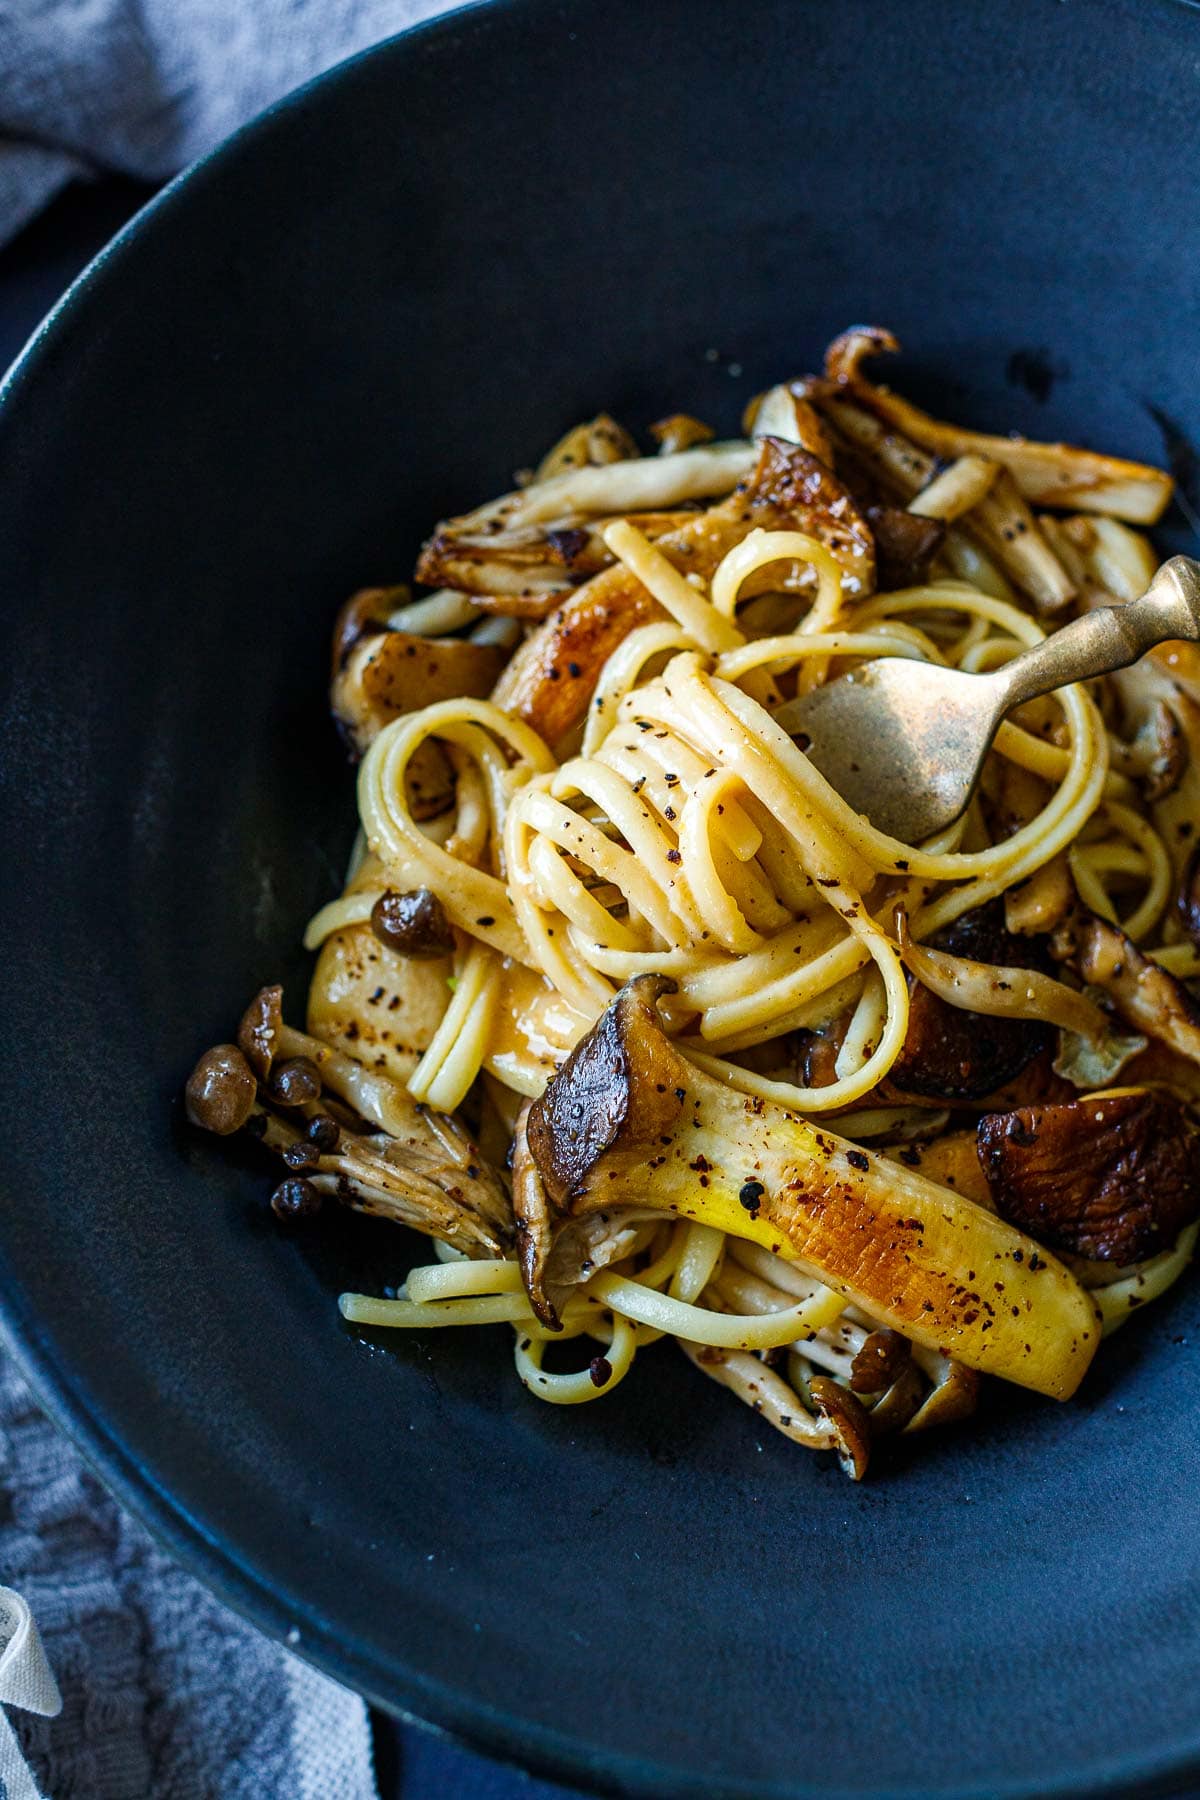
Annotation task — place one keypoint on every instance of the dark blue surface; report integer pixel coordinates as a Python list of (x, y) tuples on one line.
[(411, 1763), (362, 315)]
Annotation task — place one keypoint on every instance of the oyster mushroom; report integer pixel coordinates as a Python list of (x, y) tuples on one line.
[(1145, 995), (552, 676), (628, 1121), (392, 672), (1048, 474), (1111, 1177)]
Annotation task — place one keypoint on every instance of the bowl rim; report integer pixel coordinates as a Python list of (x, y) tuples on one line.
[(391, 1683)]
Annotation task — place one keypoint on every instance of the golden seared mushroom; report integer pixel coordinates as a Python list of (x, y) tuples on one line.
[(680, 431), (784, 413), (1048, 474), (1145, 995), (348, 1132), (628, 1121), (551, 678), (905, 544), (539, 540), (388, 673), (1111, 1177)]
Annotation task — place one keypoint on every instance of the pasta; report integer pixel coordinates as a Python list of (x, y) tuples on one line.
[(609, 857)]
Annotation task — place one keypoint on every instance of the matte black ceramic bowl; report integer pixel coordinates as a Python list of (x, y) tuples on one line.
[(361, 314)]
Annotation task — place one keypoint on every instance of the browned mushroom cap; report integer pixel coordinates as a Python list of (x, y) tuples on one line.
[(612, 1090), (879, 1361), (905, 544), (850, 1420), (397, 672), (258, 1032), (220, 1090), (951, 1054), (364, 614), (679, 432), (954, 1397), (551, 678), (413, 924), (628, 1122), (1110, 1177), (1145, 995)]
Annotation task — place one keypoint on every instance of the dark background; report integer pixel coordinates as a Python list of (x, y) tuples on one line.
[(411, 1764)]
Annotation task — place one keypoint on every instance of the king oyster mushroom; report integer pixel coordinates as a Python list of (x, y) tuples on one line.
[(629, 1122)]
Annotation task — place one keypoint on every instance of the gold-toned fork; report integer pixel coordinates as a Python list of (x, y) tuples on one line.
[(904, 741)]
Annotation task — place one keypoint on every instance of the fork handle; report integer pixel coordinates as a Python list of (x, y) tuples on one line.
[(1109, 638)]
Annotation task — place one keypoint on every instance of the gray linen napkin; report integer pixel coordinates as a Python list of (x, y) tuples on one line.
[(143, 87), (166, 1695)]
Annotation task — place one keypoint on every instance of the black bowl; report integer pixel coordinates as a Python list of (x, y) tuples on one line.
[(362, 314)]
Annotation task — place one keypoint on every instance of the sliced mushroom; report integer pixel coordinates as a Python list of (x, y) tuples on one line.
[(1048, 474), (627, 1121), (783, 412), (395, 672), (374, 1004), (1001, 520), (951, 1160), (1110, 1177), (597, 442), (905, 545), (364, 614), (352, 1133), (1144, 994), (551, 679), (951, 1054)]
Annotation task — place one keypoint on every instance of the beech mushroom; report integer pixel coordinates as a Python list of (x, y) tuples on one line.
[(628, 1121), (348, 1132)]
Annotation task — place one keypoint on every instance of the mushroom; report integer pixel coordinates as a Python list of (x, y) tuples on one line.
[(628, 1121), (514, 546), (680, 432), (955, 1393), (596, 442), (905, 544), (879, 1361), (394, 672), (1110, 1177), (349, 1132), (951, 1160), (783, 412), (1048, 474), (551, 678), (1144, 994), (413, 924), (1001, 519), (950, 1053)]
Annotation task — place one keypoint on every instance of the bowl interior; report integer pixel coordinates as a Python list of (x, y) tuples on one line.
[(362, 315)]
